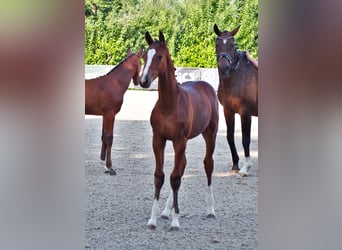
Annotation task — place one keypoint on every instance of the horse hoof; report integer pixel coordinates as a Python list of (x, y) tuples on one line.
[(151, 226), (211, 216), (165, 217), (174, 228), (243, 174), (110, 172), (235, 171)]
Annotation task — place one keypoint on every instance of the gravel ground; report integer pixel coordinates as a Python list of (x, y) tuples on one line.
[(118, 207)]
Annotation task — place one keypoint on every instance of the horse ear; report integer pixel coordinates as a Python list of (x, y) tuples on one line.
[(140, 52), (148, 38), (235, 31), (217, 30), (161, 37)]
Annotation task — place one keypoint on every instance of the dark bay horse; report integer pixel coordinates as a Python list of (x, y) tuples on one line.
[(237, 91), (181, 112), (104, 96)]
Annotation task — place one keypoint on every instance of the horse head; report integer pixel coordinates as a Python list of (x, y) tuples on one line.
[(136, 64), (226, 50), (155, 58)]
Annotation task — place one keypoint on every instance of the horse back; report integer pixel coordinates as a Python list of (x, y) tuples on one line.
[(200, 92), (102, 95)]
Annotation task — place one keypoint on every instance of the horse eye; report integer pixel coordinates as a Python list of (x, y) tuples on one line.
[(160, 57)]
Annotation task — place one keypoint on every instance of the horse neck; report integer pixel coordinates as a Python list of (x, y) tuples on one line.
[(168, 86), (123, 75)]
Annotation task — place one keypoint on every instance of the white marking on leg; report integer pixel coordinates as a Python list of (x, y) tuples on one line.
[(104, 164), (174, 222), (168, 206), (154, 214), (211, 202), (246, 166), (150, 55)]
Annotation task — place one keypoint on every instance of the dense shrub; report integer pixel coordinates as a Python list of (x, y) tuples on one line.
[(113, 26)]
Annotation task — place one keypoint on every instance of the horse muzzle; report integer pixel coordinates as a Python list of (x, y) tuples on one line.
[(145, 82), (224, 62), (224, 70)]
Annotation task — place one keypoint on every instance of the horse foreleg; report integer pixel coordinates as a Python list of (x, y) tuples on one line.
[(158, 149), (246, 140), (230, 122), (103, 147), (108, 126), (168, 206), (210, 138), (175, 178)]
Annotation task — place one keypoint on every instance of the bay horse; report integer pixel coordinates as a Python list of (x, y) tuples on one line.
[(104, 96), (237, 91), (181, 112)]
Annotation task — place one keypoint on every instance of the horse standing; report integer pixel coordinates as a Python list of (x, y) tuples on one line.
[(181, 112), (237, 91), (104, 96)]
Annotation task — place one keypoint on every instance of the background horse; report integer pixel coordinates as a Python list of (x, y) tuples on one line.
[(104, 96), (181, 112), (237, 91)]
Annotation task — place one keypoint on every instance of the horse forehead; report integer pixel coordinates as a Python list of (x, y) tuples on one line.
[(150, 53), (225, 36)]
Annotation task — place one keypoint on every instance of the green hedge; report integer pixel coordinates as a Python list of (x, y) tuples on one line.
[(113, 26)]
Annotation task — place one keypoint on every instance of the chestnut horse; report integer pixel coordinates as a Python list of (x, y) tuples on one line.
[(104, 96), (237, 91), (181, 112)]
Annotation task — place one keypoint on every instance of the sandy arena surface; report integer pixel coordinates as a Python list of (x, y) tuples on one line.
[(118, 207)]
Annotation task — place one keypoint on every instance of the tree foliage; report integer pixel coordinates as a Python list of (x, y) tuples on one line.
[(113, 26)]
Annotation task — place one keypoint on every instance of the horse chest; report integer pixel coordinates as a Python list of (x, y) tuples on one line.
[(229, 99), (168, 126)]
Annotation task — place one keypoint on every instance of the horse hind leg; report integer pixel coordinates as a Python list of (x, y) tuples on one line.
[(246, 139), (175, 178), (168, 206), (108, 127), (210, 139), (103, 148), (230, 122)]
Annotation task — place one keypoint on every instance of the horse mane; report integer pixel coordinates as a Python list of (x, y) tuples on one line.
[(251, 59), (118, 65)]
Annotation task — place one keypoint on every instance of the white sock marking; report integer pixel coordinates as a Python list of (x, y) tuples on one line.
[(154, 213), (246, 166), (168, 206), (174, 222), (150, 55), (211, 202)]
